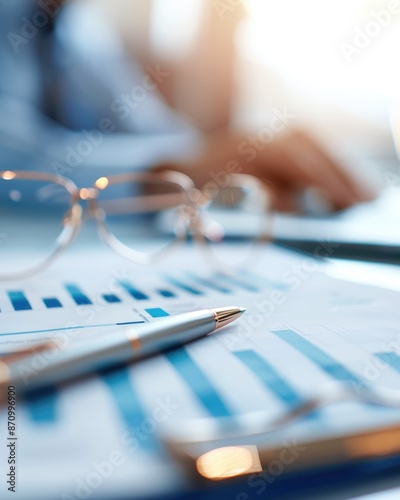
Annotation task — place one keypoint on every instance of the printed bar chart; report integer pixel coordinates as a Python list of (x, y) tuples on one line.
[(326, 362), (188, 283), (76, 304)]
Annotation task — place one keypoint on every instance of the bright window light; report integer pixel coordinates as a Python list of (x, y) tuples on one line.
[(345, 44), (174, 26)]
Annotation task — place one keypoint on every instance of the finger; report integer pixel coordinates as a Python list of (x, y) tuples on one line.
[(358, 188), (282, 168), (322, 173), (284, 198)]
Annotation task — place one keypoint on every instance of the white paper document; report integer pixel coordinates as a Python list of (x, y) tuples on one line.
[(98, 437)]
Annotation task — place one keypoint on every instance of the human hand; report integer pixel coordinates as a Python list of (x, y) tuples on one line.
[(289, 164)]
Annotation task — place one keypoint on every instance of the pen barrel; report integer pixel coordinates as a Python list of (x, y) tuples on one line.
[(174, 331), (58, 364), (62, 363)]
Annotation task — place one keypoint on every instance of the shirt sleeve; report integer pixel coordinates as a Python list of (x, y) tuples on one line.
[(108, 113)]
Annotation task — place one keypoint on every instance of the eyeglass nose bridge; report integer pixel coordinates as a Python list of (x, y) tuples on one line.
[(77, 213), (90, 195)]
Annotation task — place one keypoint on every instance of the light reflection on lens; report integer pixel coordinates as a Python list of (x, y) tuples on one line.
[(101, 183), (229, 461), (8, 175)]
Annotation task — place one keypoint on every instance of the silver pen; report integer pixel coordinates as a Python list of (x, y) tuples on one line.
[(129, 344)]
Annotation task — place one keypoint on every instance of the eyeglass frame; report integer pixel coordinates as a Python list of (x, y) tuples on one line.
[(194, 200)]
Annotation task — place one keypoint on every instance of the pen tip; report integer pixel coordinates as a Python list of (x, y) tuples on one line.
[(225, 315)]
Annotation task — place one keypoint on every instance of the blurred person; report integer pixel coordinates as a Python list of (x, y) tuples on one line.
[(63, 72), (73, 103)]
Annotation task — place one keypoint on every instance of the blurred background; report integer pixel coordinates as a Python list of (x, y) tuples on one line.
[(332, 63), (224, 64)]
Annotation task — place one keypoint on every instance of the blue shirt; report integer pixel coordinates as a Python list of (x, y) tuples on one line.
[(70, 100)]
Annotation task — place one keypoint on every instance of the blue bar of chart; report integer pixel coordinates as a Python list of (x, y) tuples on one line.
[(390, 358), (19, 301), (237, 282), (208, 283), (42, 406), (51, 302), (183, 286), (133, 292), (328, 364), (268, 375), (198, 383), (166, 293), (77, 295), (126, 399), (196, 379), (110, 298), (156, 312)]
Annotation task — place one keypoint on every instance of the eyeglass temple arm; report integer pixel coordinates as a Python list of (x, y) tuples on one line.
[(258, 424), (142, 203)]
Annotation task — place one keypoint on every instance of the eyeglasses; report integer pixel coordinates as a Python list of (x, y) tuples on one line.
[(42, 213), (228, 447)]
